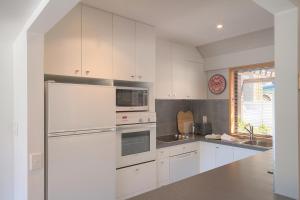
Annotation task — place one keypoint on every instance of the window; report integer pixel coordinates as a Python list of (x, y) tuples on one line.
[(252, 98)]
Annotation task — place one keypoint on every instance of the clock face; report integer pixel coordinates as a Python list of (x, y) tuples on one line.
[(217, 84)]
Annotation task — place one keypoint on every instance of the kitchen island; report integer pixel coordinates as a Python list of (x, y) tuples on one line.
[(246, 179)]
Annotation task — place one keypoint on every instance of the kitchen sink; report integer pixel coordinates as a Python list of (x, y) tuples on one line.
[(172, 138), (258, 143)]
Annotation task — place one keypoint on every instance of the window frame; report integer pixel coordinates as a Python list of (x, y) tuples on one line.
[(232, 99)]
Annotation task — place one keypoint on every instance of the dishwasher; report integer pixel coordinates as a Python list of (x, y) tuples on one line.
[(184, 165)]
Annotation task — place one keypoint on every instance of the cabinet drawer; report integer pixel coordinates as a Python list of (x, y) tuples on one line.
[(184, 148), (135, 180)]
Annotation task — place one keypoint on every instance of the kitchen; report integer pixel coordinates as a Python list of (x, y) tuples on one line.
[(152, 112), (113, 46)]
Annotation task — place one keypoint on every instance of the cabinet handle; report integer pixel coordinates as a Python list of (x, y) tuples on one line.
[(137, 169), (132, 76), (162, 162), (76, 71), (87, 72), (140, 76)]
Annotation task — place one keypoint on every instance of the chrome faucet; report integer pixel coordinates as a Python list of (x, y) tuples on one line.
[(250, 131)]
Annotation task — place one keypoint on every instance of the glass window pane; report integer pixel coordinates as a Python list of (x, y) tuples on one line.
[(255, 100), (136, 142), (132, 97)]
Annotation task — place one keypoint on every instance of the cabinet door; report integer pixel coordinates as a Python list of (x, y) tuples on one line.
[(180, 80), (163, 171), (224, 155), (96, 43), (183, 166), (135, 180), (194, 80), (164, 74), (241, 153), (207, 156), (63, 46), (123, 49), (145, 53)]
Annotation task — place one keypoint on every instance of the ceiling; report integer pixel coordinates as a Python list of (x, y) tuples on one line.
[(13, 15), (192, 21), (243, 42)]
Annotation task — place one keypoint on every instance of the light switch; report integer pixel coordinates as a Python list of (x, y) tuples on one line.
[(36, 161)]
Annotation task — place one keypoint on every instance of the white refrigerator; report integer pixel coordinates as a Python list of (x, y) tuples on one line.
[(80, 142)]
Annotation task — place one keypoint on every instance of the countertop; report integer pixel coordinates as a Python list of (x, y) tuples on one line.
[(195, 138), (242, 180)]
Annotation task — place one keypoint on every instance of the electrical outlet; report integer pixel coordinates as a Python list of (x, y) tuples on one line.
[(36, 161)]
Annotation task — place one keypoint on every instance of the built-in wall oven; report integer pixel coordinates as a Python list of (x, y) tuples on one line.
[(132, 99), (136, 138)]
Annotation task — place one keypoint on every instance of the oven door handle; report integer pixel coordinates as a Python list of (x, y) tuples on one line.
[(135, 128)]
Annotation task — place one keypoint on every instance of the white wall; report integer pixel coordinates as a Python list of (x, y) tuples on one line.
[(20, 118), (6, 121), (247, 57), (286, 117), (221, 63), (28, 89), (35, 94)]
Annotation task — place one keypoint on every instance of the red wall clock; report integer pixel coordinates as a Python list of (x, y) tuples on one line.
[(217, 84)]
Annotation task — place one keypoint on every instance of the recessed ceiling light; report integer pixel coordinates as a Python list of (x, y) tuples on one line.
[(219, 26)]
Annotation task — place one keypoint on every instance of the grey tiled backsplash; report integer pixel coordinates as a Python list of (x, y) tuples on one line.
[(217, 113)]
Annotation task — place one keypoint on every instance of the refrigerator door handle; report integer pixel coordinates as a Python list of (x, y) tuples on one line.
[(81, 132)]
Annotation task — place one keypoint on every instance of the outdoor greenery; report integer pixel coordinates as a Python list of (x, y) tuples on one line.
[(262, 129)]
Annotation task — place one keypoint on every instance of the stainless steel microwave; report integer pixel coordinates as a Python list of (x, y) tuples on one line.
[(132, 99)]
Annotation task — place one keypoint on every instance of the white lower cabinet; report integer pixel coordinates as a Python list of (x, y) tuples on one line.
[(216, 155), (177, 162), (223, 155), (182, 161), (183, 166), (163, 172), (135, 180), (207, 156), (240, 153)]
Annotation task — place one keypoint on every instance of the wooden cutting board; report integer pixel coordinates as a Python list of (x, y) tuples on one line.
[(185, 122)]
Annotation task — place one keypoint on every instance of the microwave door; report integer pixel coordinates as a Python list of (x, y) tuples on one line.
[(132, 99)]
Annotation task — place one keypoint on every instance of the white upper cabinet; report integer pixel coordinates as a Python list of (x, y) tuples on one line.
[(96, 43), (180, 90), (179, 72), (145, 53), (89, 42), (164, 78), (123, 49), (63, 46), (133, 50), (195, 80)]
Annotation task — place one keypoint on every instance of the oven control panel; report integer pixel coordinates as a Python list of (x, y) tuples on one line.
[(135, 118)]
